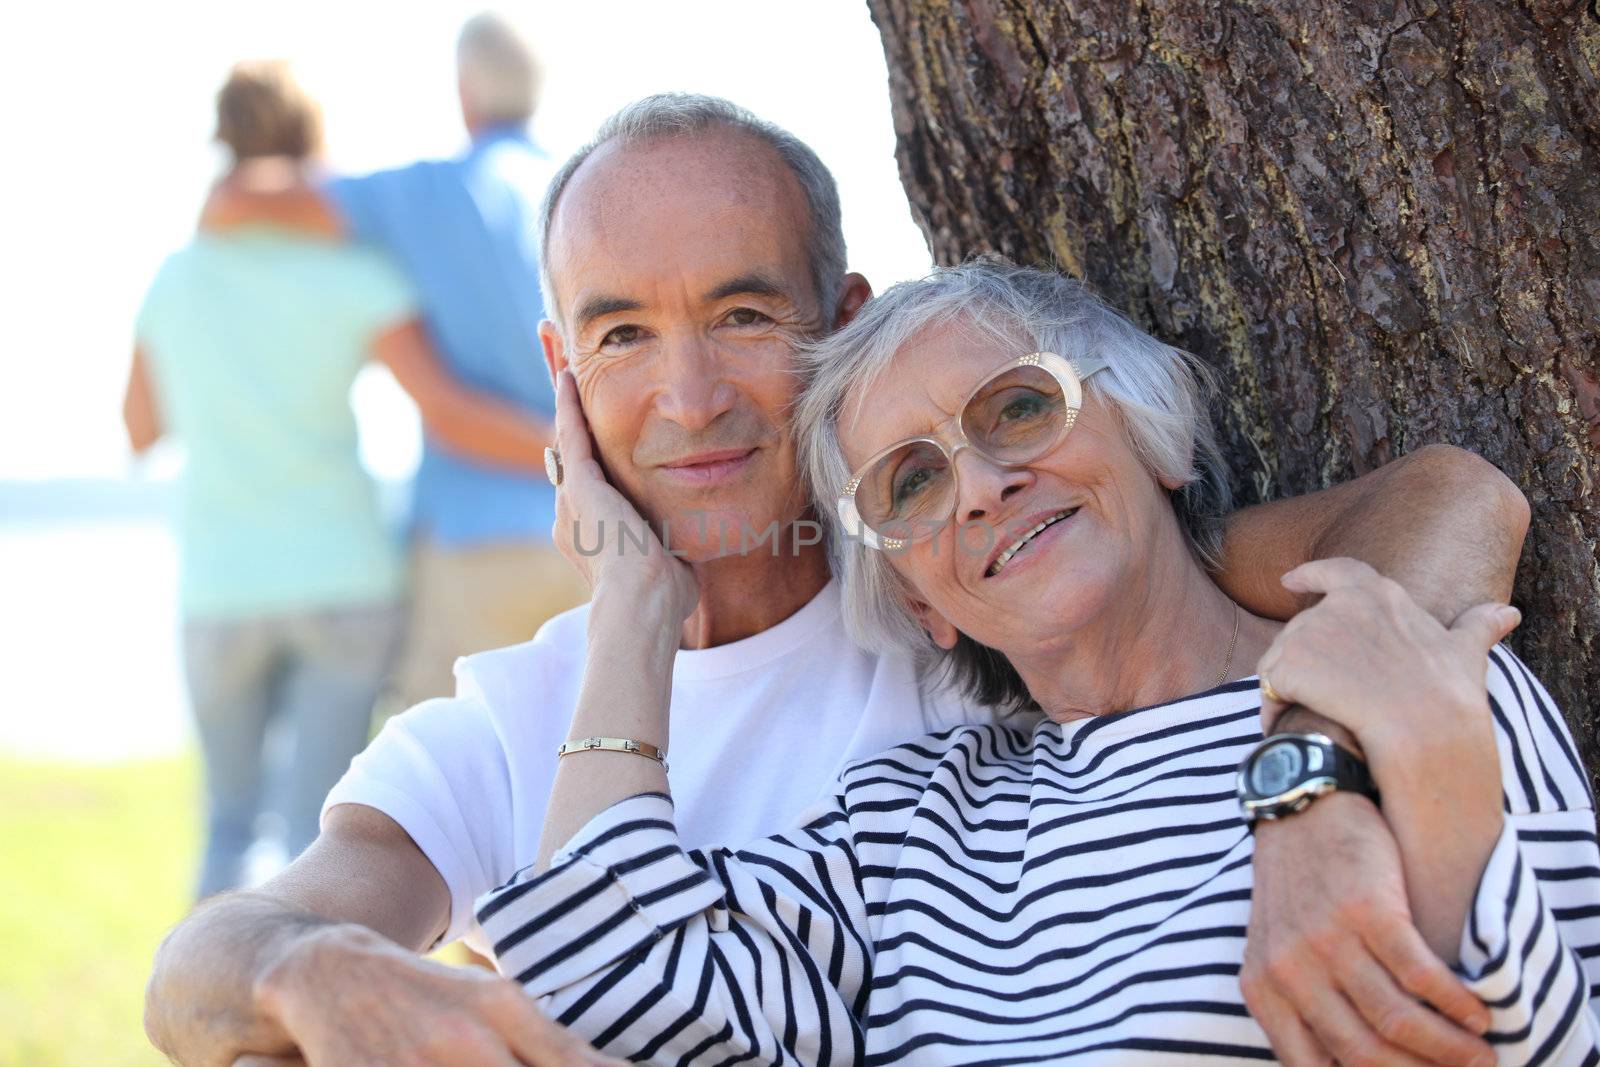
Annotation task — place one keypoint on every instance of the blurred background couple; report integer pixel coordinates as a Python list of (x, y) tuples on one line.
[(303, 609)]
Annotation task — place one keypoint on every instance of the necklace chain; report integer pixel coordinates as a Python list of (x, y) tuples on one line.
[(1227, 664)]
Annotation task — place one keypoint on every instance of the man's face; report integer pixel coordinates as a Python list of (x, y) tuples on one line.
[(680, 271)]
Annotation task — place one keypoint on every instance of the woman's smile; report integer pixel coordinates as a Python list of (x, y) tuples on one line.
[(1037, 535)]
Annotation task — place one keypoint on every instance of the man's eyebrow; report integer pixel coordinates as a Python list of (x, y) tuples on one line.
[(748, 285), (598, 306)]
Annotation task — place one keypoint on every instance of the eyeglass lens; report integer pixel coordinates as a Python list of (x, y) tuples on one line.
[(1011, 418)]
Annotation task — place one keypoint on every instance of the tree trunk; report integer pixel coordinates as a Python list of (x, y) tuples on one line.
[(1379, 220)]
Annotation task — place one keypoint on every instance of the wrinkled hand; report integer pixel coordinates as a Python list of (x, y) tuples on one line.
[(1412, 691), (1334, 968), (360, 1001), (599, 530), (1355, 912), (1370, 658)]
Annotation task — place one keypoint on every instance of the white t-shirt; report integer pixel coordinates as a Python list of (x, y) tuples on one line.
[(760, 729)]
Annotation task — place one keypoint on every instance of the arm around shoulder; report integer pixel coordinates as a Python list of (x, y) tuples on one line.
[(468, 422), (271, 193), (1463, 497), (1442, 521)]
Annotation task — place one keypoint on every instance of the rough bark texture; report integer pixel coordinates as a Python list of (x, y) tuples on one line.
[(1379, 220)]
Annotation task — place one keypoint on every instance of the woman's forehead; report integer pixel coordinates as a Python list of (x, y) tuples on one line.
[(921, 388)]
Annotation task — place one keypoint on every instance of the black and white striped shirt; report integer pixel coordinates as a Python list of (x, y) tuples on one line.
[(999, 896)]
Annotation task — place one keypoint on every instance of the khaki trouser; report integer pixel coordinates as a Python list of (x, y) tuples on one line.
[(466, 600)]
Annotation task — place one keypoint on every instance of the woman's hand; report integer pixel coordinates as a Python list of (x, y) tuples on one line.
[(1412, 692), (1367, 655), (642, 595), (603, 534)]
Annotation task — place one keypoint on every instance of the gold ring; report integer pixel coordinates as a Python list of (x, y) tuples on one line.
[(552, 466), (1269, 692)]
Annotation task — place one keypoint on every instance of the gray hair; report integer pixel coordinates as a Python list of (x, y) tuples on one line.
[(499, 72), (1160, 392), (670, 115)]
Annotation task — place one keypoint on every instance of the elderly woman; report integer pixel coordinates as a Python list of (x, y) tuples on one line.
[(1027, 489)]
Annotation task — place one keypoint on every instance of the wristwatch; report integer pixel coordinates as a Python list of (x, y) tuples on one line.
[(1286, 772)]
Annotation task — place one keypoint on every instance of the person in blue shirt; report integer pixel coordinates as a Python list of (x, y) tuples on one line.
[(291, 583), (464, 233)]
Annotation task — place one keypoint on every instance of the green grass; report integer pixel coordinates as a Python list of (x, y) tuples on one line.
[(98, 863)]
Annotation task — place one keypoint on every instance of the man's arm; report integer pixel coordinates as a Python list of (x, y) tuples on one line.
[(1441, 521), (140, 415), (321, 960), (273, 193), (362, 876), (464, 421), (1448, 527)]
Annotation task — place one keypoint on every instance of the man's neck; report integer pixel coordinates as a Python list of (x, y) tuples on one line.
[(745, 594), (477, 131)]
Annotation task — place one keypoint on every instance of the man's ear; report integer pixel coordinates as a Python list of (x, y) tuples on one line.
[(939, 628), (857, 291), (555, 356)]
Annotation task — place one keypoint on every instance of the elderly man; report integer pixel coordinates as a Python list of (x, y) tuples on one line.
[(461, 230), (686, 251)]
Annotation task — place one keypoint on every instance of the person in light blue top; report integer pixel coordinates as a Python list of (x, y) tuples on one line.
[(464, 232), (254, 341), (291, 584)]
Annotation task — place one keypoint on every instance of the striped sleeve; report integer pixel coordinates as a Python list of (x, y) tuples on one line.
[(654, 953), (1531, 949), (1523, 949), (1542, 770)]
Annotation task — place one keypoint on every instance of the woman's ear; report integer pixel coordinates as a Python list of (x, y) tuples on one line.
[(939, 628), (1174, 484)]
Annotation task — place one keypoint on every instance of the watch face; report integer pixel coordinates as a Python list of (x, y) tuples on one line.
[(1276, 769)]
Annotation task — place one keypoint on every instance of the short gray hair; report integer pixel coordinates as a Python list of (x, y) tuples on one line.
[(669, 115), (499, 72), (1161, 393)]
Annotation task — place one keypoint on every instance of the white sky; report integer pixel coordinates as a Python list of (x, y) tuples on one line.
[(108, 116)]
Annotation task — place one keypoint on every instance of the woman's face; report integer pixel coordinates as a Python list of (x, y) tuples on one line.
[(1106, 513)]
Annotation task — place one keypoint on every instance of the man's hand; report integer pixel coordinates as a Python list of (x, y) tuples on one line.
[(319, 963), (1334, 968), (350, 998), (1353, 910)]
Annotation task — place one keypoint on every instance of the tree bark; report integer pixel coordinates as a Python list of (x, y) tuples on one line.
[(1379, 220)]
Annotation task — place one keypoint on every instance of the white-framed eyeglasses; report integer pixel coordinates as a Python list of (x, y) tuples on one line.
[(1016, 414)]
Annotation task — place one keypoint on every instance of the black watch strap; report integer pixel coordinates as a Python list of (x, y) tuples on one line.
[(1351, 772), (1324, 766)]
